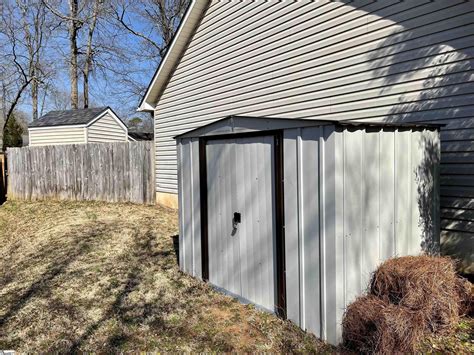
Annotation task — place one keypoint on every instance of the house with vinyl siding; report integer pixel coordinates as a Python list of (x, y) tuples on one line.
[(361, 60), (91, 125)]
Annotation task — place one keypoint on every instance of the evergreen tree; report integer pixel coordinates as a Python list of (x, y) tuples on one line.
[(12, 136)]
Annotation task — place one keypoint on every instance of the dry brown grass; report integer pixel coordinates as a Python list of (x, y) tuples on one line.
[(104, 278)]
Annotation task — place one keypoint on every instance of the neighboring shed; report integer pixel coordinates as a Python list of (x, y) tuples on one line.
[(92, 125), (294, 215), (391, 61)]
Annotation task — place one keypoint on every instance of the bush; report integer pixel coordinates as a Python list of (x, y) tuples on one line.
[(409, 299)]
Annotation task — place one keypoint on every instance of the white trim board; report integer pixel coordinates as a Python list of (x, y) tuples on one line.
[(173, 54)]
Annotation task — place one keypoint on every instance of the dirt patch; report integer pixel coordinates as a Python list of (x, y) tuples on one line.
[(98, 277)]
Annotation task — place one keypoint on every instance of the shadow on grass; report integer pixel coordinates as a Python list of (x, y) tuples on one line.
[(42, 285), (126, 314)]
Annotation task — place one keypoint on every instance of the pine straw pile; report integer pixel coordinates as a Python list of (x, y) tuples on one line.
[(410, 298)]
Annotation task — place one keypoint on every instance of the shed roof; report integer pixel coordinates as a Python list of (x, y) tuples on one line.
[(68, 117), (245, 124)]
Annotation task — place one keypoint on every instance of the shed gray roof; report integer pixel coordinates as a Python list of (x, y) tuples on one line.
[(68, 117)]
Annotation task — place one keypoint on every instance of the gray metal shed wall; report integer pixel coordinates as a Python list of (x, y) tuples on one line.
[(352, 200), (377, 60), (189, 207)]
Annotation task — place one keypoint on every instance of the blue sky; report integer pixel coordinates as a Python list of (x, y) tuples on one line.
[(106, 86)]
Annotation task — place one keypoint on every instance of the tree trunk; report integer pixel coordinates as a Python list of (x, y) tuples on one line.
[(34, 99), (89, 53), (86, 89), (73, 27)]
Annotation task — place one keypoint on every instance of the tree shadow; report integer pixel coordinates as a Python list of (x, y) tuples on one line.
[(426, 61), (426, 176), (63, 258), (130, 313)]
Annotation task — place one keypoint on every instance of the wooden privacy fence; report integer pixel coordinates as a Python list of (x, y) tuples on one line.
[(113, 172), (3, 178)]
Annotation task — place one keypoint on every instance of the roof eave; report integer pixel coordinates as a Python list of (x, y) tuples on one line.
[(180, 41)]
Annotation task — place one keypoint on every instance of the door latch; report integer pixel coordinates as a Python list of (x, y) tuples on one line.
[(237, 217), (235, 221)]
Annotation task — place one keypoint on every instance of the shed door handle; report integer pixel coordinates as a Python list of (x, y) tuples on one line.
[(235, 221), (237, 217)]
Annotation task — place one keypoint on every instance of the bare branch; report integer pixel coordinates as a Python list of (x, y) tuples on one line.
[(120, 18), (62, 16)]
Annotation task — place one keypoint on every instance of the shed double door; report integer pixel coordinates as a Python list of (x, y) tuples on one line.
[(241, 185)]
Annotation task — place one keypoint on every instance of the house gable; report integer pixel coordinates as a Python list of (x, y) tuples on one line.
[(391, 61)]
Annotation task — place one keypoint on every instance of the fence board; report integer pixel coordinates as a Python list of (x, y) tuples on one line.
[(3, 180), (113, 172)]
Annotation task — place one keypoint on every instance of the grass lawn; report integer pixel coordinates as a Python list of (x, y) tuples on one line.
[(104, 277), (90, 276)]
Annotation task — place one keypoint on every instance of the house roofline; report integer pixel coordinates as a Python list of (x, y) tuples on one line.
[(186, 29)]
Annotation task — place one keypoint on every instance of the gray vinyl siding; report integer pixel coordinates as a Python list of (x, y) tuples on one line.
[(106, 129), (352, 199), (57, 135), (409, 61)]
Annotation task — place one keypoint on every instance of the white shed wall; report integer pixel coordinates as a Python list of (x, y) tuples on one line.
[(57, 135), (190, 204), (351, 200), (106, 129), (377, 60)]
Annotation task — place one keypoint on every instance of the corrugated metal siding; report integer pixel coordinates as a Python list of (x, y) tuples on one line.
[(53, 136), (373, 195), (396, 193), (302, 229), (376, 60), (240, 179), (352, 199), (189, 211), (106, 129)]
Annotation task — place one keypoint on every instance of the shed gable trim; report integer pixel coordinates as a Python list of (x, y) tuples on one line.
[(246, 124), (113, 115), (42, 128), (180, 41)]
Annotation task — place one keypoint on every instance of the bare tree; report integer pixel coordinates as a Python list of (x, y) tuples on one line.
[(159, 21), (16, 64), (89, 53), (74, 23), (33, 18)]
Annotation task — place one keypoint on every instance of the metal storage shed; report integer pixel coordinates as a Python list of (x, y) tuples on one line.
[(294, 215)]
